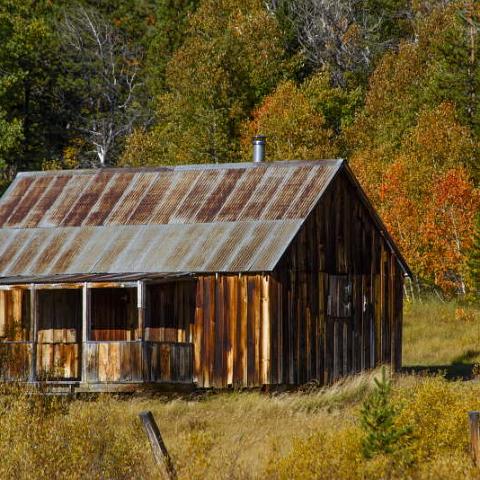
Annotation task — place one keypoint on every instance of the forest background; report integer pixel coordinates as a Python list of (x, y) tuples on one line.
[(393, 86)]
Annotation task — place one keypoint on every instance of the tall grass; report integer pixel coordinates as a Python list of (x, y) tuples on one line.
[(303, 435), (309, 434), (440, 333)]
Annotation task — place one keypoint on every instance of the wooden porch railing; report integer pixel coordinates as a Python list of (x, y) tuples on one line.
[(106, 362)]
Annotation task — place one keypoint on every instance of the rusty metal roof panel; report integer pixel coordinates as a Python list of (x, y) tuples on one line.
[(166, 248), (198, 218), (123, 209), (282, 234), (53, 217), (13, 195), (193, 194), (110, 196)]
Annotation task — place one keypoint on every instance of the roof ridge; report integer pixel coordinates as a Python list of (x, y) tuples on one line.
[(173, 168)]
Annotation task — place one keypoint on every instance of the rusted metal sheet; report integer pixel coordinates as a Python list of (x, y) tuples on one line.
[(198, 219), (93, 279), (183, 194), (174, 248)]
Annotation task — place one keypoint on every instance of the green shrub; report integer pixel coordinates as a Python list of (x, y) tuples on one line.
[(381, 434)]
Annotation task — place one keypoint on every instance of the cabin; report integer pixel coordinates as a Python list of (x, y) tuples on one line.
[(262, 274)]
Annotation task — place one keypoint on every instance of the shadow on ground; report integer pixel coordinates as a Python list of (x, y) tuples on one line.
[(461, 367)]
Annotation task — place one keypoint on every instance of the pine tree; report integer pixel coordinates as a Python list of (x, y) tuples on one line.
[(474, 258), (378, 421)]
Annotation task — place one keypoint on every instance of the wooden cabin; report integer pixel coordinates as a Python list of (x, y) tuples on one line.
[(242, 275)]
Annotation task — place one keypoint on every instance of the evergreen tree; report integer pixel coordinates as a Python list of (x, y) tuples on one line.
[(169, 33), (474, 258), (32, 117), (381, 435)]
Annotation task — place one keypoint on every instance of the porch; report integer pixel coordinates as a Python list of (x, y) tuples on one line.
[(98, 336)]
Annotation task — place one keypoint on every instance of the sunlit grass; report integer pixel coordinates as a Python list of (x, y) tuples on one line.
[(440, 334), (309, 434)]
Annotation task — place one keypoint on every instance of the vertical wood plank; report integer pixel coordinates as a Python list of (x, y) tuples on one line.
[(265, 331)]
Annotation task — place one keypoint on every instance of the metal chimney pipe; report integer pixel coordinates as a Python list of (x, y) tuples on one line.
[(259, 148)]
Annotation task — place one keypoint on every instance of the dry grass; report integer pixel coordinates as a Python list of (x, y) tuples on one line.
[(313, 434), (441, 334)]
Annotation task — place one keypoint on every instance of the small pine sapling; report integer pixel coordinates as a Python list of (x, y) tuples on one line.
[(381, 435)]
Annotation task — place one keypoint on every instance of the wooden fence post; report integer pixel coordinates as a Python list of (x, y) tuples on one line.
[(474, 418), (159, 450)]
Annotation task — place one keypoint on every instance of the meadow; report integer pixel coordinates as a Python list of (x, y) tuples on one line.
[(309, 434)]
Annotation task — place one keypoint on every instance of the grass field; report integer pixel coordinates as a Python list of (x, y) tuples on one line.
[(303, 435), (443, 335)]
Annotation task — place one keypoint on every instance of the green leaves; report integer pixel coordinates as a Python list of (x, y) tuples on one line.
[(231, 56), (474, 258)]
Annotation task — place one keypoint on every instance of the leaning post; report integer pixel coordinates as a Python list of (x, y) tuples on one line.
[(474, 418), (159, 450)]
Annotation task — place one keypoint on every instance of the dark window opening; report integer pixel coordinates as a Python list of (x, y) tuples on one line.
[(59, 315), (114, 314), (15, 315), (170, 311)]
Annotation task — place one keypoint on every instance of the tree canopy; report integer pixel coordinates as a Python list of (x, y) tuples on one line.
[(392, 86)]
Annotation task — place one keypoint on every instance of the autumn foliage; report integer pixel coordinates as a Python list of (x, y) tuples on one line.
[(389, 85)]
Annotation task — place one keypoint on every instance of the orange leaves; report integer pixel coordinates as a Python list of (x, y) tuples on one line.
[(425, 194), (448, 226)]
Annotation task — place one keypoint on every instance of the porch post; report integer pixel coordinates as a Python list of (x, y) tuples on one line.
[(141, 308), (86, 305), (141, 328), (33, 333)]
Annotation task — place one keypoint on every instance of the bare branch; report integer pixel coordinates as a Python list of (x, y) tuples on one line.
[(110, 69)]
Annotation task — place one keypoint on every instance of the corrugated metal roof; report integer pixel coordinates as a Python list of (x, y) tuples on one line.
[(203, 218)]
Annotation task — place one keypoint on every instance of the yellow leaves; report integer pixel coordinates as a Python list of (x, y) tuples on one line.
[(438, 139), (139, 150), (438, 448), (295, 130)]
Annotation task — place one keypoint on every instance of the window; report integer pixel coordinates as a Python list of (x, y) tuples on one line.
[(339, 296)]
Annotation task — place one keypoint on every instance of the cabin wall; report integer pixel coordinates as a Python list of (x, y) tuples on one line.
[(15, 315), (333, 306), (339, 294), (59, 333), (231, 333), (15, 334)]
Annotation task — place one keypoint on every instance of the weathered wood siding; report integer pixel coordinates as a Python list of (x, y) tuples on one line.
[(15, 360), (114, 362), (168, 362), (333, 305), (341, 294), (232, 331), (136, 362)]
